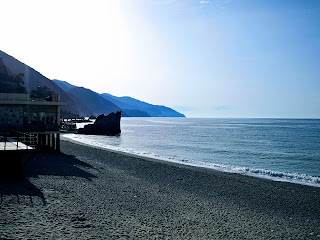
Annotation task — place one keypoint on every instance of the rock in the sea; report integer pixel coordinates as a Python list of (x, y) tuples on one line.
[(104, 125)]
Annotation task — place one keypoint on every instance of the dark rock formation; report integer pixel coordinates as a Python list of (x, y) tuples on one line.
[(104, 125)]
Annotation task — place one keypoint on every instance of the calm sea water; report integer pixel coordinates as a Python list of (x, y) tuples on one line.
[(279, 149)]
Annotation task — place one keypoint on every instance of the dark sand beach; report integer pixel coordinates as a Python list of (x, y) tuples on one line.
[(90, 193)]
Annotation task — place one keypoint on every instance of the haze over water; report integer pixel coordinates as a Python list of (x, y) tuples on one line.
[(281, 149)]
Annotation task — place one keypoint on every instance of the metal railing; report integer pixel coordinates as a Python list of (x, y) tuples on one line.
[(15, 139), (27, 97)]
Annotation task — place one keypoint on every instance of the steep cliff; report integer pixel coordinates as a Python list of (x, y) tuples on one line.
[(32, 79), (130, 107)]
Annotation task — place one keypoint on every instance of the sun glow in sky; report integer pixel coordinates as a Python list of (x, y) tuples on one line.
[(218, 58)]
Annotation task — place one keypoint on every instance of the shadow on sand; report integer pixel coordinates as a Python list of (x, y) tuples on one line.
[(54, 164), (50, 164), (18, 188)]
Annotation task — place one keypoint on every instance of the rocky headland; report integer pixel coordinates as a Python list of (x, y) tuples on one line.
[(104, 125)]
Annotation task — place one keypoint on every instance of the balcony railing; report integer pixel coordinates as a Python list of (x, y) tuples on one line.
[(27, 97), (15, 140)]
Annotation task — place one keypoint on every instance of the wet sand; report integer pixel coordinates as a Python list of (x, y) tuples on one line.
[(90, 193)]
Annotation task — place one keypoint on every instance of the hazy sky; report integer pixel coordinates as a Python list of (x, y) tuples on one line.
[(218, 58)]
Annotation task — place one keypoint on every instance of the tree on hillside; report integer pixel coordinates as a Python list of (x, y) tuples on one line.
[(10, 83), (41, 92)]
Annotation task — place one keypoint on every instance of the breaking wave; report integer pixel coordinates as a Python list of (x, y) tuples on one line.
[(297, 178)]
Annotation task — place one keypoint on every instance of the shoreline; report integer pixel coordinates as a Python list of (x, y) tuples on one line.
[(295, 178), (87, 192)]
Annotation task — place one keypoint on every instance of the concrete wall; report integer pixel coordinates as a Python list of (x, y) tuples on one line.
[(26, 97), (15, 96), (11, 116)]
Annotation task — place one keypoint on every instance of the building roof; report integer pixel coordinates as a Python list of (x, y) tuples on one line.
[(25, 99)]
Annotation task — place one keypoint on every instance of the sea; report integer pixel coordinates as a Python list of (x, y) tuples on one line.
[(277, 149)]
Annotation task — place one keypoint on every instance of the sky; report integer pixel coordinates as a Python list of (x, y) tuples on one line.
[(217, 58)]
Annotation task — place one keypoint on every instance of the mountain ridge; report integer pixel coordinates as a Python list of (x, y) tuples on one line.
[(82, 101), (32, 79), (152, 110), (131, 106)]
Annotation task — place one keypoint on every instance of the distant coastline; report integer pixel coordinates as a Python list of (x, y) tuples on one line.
[(302, 179), (265, 148)]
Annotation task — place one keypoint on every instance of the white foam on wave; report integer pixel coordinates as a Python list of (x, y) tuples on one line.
[(298, 178)]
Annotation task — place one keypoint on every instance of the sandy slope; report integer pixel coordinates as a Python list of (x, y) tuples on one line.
[(88, 193)]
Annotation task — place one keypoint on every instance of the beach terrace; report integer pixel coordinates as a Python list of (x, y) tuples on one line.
[(27, 124), (25, 119)]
